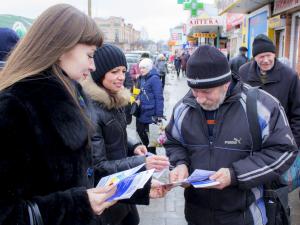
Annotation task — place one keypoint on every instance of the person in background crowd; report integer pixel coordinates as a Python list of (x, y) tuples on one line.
[(46, 155), (276, 78), (8, 40), (135, 70), (162, 67), (236, 62), (177, 64), (150, 100), (112, 149), (184, 58), (203, 134), (128, 84)]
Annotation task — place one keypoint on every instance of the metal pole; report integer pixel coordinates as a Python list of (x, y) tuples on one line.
[(90, 7)]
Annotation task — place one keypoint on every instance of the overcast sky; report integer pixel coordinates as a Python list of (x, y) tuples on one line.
[(156, 16)]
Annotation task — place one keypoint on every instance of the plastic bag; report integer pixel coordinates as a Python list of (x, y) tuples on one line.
[(157, 135), (292, 176)]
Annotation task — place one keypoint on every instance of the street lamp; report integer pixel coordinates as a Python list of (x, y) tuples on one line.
[(90, 8)]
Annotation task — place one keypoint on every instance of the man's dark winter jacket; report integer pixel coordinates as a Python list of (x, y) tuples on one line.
[(189, 143), (236, 62), (45, 154), (283, 83), (112, 149), (151, 97)]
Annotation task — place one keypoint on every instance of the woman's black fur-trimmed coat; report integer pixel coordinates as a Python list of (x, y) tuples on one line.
[(113, 150), (45, 154)]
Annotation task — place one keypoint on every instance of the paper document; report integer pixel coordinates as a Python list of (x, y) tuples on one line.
[(198, 179), (127, 182)]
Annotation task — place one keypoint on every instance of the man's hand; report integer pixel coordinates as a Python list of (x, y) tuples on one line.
[(157, 162), (140, 150), (223, 177), (180, 173), (157, 189)]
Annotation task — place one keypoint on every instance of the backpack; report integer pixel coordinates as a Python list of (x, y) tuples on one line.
[(275, 194)]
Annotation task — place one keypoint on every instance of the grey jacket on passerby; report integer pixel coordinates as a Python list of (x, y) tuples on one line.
[(188, 143), (283, 83), (161, 66), (236, 62)]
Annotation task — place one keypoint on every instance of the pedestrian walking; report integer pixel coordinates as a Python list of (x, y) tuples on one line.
[(203, 134), (46, 159), (150, 101), (236, 62), (162, 67), (113, 150), (177, 64), (183, 59)]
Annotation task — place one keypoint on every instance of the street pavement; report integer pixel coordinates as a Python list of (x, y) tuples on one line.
[(170, 210)]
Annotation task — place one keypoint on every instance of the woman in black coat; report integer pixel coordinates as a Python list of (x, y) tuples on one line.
[(45, 136), (113, 151)]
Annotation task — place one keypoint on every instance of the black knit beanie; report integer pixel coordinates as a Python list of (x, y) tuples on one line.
[(106, 58), (8, 40), (262, 44), (207, 68)]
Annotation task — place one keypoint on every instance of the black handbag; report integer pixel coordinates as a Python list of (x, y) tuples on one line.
[(35, 217), (275, 193), (135, 110)]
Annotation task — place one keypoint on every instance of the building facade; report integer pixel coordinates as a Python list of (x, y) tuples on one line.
[(279, 19), (116, 31)]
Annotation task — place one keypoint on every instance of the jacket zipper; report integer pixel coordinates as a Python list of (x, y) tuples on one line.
[(211, 145), (144, 91)]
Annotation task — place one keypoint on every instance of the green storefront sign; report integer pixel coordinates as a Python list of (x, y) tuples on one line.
[(18, 23)]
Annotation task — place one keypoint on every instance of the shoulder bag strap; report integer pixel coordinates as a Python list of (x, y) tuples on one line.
[(251, 108)]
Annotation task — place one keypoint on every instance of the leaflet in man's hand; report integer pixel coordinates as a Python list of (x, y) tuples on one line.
[(198, 179), (127, 182)]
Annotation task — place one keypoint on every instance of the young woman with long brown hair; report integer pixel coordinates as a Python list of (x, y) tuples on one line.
[(45, 153)]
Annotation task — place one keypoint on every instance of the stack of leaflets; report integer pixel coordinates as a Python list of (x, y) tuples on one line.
[(198, 179), (127, 182)]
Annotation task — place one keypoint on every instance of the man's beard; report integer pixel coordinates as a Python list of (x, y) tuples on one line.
[(216, 105)]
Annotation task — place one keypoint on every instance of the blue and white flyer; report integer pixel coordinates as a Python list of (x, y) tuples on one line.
[(127, 182), (117, 177), (198, 179)]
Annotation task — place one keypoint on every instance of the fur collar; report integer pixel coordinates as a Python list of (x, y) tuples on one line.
[(99, 94)]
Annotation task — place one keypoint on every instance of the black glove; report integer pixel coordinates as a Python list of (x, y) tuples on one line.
[(157, 119)]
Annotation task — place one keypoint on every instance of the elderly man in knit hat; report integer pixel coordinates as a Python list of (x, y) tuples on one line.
[(209, 130), (8, 40), (276, 78)]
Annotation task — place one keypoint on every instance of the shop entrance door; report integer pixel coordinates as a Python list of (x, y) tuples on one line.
[(295, 42)]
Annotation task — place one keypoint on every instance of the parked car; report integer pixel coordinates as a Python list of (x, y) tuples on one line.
[(131, 60)]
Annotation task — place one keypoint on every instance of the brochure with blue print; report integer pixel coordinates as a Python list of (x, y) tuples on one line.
[(198, 179), (127, 182)]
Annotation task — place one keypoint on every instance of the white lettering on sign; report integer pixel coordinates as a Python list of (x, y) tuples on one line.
[(205, 21), (283, 5)]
